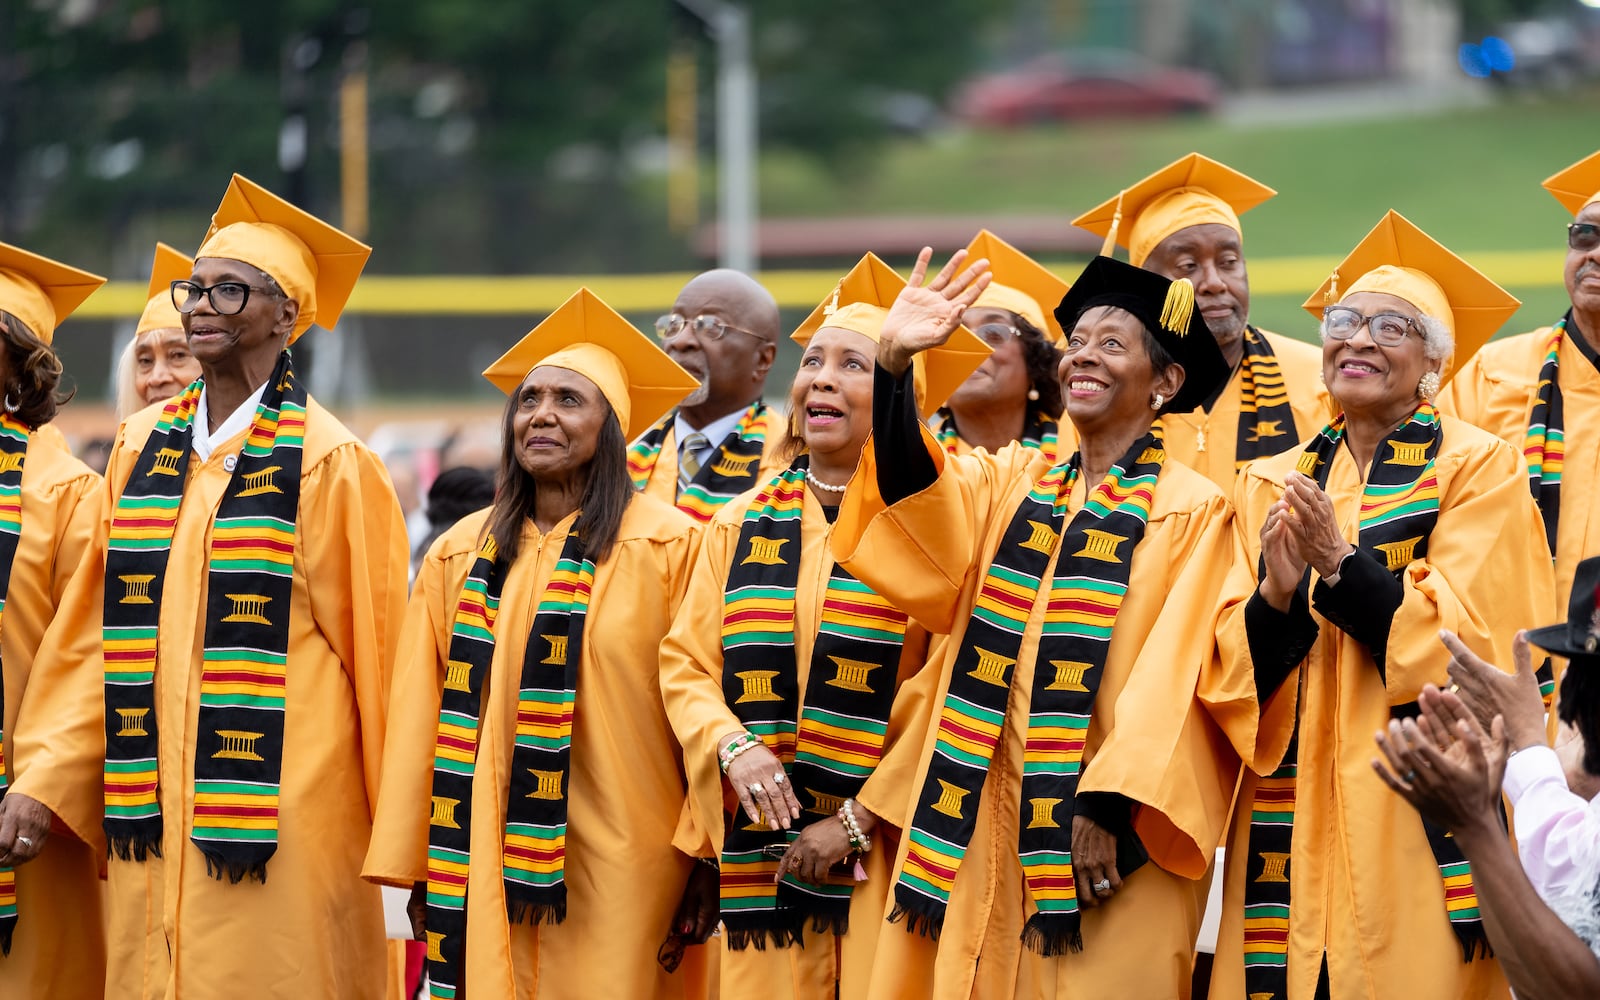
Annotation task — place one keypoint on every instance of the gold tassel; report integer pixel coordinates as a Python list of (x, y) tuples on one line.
[(1109, 247), (833, 305), (1332, 294), (1175, 312)]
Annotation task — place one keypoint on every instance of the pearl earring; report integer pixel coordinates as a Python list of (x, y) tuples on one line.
[(1428, 386), (1033, 394), (1155, 404)]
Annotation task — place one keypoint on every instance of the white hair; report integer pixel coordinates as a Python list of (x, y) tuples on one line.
[(1437, 344)]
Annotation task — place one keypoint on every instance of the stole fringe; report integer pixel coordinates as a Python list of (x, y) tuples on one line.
[(759, 937), (919, 920), (521, 911), (1474, 941), (836, 923), (1055, 934), (128, 847), (235, 871), (6, 931)]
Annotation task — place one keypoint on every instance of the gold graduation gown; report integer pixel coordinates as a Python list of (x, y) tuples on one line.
[(626, 787), (1301, 364), (1149, 739), (1496, 390), (663, 482), (59, 948), (1365, 888), (314, 928), (691, 682)]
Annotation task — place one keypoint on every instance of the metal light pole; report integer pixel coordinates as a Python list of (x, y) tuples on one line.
[(729, 26)]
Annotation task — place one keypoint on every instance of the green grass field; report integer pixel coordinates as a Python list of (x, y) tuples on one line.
[(1469, 177)]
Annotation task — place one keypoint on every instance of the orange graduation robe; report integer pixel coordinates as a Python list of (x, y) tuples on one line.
[(1365, 889), (626, 787), (1149, 738), (59, 948)]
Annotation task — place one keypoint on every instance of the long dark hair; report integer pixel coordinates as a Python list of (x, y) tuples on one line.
[(35, 373), (1042, 360), (604, 501)]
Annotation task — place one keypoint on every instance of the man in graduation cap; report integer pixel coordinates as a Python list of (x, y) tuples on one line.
[(51, 942), (250, 589), (1183, 222), (1540, 391), (721, 439)]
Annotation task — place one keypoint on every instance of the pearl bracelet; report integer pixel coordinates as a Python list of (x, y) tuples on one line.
[(736, 746), (852, 829)]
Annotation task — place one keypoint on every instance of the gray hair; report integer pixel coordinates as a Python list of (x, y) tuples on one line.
[(1437, 343)]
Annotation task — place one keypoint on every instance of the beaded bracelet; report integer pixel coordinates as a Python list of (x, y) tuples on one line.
[(736, 746), (852, 829)]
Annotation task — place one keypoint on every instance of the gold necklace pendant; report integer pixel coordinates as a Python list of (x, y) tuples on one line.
[(1200, 439)]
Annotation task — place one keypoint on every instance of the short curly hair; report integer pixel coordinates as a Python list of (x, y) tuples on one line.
[(32, 386)]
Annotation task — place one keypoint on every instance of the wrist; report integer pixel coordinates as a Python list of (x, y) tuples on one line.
[(1277, 598), (892, 359), (1330, 569)]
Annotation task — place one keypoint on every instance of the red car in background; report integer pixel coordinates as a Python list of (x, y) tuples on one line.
[(1090, 83)]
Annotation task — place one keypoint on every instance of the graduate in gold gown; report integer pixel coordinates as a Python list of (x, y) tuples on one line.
[(243, 596), (50, 914), (722, 438), (1013, 396), (782, 660), (157, 364), (1540, 391), (532, 784), (1387, 526), (1071, 788), (1183, 222)]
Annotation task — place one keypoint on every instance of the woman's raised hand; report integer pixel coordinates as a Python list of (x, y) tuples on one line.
[(925, 315)]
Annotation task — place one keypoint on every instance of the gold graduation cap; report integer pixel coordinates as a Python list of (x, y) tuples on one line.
[(861, 301), (1400, 259), (169, 265), (41, 292), (1578, 186), (1020, 284), (587, 336), (1188, 192), (314, 263)]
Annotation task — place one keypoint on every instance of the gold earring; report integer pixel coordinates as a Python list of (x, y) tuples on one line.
[(1155, 404), (1428, 386)]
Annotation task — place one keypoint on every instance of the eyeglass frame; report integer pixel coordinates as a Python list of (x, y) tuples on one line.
[(977, 331), (1412, 326), (198, 291), (1574, 228), (722, 327)]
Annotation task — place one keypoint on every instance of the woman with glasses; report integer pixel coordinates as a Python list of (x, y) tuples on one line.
[(532, 784), (1540, 391), (1014, 395), (1391, 524), (51, 940), (157, 364), (236, 622), (788, 681), (1070, 789)]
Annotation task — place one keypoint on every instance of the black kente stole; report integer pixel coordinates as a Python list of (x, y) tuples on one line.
[(1085, 594), (732, 470), (249, 586), (13, 449), (1266, 420), (855, 662)]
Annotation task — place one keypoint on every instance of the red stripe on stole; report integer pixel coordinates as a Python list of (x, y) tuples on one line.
[(131, 787), (1050, 744), (261, 812), (1283, 795), (1020, 602), (930, 865), (1266, 935), (455, 743), (131, 655), (158, 521), (861, 610), (446, 878), (952, 726), (1460, 891), (252, 543), (245, 676), (1061, 882), (533, 854), (747, 880), (861, 747), (755, 615)]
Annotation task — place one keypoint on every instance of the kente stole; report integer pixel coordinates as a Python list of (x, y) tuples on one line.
[(1399, 508), (13, 449), (730, 473), (1544, 447), (1266, 420), (1085, 594), (1039, 432), (249, 587), (855, 662), (533, 858)]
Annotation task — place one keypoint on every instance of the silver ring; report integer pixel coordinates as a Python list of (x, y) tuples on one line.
[(777, 779), (24, 841), (755, 788), (1103, 886), (1409, 777)]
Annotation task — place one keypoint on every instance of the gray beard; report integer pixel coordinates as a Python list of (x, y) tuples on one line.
[(698, 396)]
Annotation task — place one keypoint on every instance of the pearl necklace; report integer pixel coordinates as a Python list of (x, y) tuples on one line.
[(824, 487)]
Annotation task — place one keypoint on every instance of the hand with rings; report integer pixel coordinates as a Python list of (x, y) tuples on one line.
[(24, 828), (763, 789), (1094, 861)]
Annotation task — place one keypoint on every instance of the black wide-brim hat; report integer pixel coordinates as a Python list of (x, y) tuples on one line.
[(1167, 309), (1579, 635)]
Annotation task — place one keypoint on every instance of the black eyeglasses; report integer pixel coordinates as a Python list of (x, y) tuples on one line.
[(1387, 329), (1583, 236), (228, 298), (704, 327)]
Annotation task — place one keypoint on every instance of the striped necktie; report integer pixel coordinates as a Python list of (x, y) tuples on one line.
[(689, 457)]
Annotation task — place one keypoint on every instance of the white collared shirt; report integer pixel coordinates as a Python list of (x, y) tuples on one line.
[(714, 432), (238, 420)]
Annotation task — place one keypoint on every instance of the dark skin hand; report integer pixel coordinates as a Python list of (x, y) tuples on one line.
[(24, 827), (1488, 691), (417, 910), (701, 906), (1094, 858), (822, 845)]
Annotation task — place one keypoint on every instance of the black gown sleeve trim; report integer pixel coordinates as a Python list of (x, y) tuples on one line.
[(1279, 640), (1363, 604), (904, 466), (1113, 811)]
